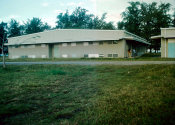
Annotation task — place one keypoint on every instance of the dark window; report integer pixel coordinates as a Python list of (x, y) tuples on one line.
[(85, 55), (114, 42), (24, 56), (109, 42), (109, 55), (100, 43), (90, 42), (101, 55), (115, 55)]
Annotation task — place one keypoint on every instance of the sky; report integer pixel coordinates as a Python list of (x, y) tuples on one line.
[(47, 10)]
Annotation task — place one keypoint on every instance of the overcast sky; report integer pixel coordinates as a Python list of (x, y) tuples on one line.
[(48, 10)]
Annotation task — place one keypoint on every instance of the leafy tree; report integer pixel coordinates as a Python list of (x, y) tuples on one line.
[(3, 33), (146, 20), (35, 25), (14, 29), (131, 18), (63, 21), (173, 20), (82, 20)]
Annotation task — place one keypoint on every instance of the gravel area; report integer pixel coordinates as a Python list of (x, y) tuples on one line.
[(93, 62)]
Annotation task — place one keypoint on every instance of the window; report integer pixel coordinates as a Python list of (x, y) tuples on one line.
[(64, 55), (24, 56), (109, 55), (73, 44), (101, 55), (64, 44), (93, 55), (115, 42), (31, 56), (43, 56), (85, 55), (109, 42), (85, 43), (115, 55), (90, 42), (100, 43)]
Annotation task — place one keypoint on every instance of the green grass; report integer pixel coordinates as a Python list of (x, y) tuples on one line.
[(72, 94), (89, 59)]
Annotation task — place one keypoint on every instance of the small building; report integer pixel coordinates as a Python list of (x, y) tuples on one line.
[(167, 39), (77, 43)]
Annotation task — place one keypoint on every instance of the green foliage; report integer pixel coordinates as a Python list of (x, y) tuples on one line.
[(35, 25), (145, 20), (80, 19), (173, 19), (151, 55), (3, 32), (14, 28)]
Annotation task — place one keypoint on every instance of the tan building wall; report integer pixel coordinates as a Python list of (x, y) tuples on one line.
[(28, 51), (80, 49), (111, 49), (168, 32)]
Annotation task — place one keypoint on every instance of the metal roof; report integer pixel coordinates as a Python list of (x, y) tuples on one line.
[(72, 35)]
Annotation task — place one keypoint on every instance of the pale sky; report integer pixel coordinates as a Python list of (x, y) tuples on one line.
[(47, 10)]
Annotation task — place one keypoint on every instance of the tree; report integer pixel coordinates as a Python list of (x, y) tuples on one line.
[(3, 39), (146, 20), (80, 19), (102, 24), (63, 21), (173, 20), (35, 25), (131, 18), (14, 29)]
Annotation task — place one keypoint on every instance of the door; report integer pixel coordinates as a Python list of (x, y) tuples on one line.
[(50, 51), (56, 53), (171, 50)]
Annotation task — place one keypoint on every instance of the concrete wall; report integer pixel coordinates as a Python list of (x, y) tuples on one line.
[(73, 50), (164, 47), (168, 32), (79, 49), (28, 51)]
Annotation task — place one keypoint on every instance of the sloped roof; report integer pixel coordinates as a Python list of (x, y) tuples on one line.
[(72, 35)]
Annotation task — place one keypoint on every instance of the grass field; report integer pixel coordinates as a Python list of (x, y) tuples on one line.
[(70, 94)]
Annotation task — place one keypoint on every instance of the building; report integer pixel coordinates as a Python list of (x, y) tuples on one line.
[(76, 43), (167, 39)]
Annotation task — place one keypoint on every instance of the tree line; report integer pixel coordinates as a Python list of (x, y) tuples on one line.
[(140, 18)]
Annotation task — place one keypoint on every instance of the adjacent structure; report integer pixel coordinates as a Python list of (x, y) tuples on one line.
[(167, 39), (77, 43)]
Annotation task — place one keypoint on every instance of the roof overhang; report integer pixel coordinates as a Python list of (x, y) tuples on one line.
[(138, 40), (156, 37), (159, 37)]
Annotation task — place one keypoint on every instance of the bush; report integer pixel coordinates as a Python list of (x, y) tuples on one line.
[(151, 55)]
